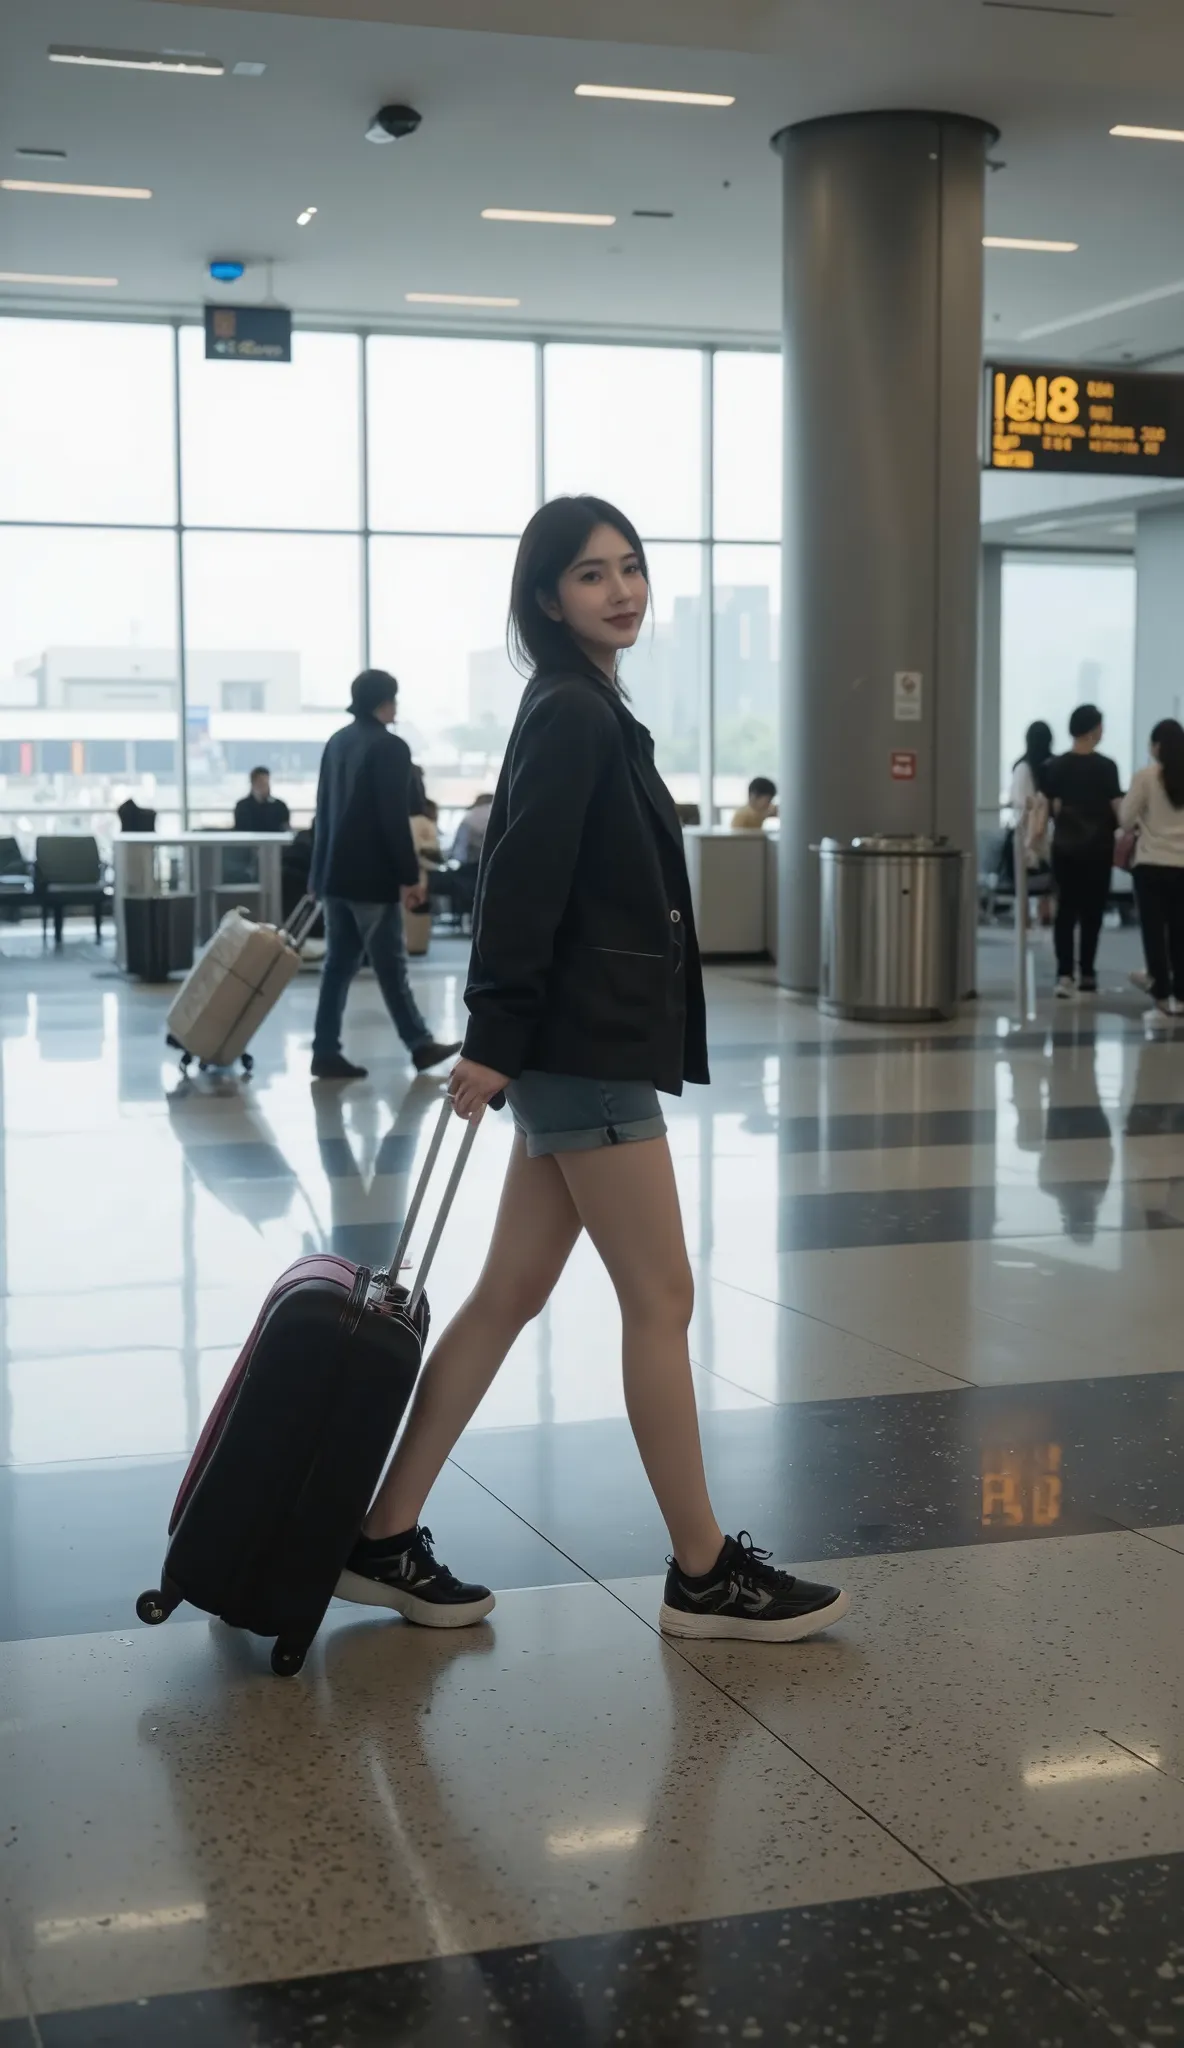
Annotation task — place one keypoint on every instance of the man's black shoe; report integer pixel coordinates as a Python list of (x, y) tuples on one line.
[(333, 1066), (431, 1054)]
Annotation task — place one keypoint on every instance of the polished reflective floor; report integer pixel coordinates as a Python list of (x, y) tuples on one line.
[(938, 1353)]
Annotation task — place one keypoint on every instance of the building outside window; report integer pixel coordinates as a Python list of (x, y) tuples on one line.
[(359, 505)]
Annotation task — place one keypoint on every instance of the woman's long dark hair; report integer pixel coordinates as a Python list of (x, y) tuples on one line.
[(552, 541), (1037, 746), (1168, 736)]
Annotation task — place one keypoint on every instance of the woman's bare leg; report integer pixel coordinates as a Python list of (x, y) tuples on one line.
[(625, 1197), (536, 1227)]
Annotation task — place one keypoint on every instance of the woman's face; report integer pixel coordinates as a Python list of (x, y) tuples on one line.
[(602, 596)]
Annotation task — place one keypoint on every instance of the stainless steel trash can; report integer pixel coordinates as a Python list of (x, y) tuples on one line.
[(891, 915)]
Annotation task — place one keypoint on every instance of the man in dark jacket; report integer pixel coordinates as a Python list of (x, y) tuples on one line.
[(261, 811), (365, 868)]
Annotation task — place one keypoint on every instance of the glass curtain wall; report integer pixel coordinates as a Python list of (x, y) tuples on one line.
[(1068, 639), (196, 557)]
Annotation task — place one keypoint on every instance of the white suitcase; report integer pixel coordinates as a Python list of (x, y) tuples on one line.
[(239, 978)]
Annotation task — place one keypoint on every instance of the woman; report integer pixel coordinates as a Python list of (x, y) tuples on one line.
[(1025, 775), (585, 997), (1030, 816), (1154, 806)]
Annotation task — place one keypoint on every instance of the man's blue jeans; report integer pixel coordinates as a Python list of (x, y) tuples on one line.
[(373, 930)]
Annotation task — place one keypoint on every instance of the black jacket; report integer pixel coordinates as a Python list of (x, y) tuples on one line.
[(252, 816), (364, 849), (584, 952)]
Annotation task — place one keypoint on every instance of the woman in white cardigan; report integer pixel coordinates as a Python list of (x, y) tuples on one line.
[(1154, 807)]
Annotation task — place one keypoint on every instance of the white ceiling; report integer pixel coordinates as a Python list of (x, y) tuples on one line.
[(232, 160)]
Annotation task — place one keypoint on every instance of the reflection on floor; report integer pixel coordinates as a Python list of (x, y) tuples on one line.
[(937, 1337)]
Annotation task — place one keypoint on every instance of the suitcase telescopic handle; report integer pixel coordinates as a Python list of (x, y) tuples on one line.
[(417, 1202), (301, 922)]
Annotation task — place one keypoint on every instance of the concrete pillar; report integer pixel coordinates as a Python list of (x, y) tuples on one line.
[(882, 363), (990, 682), (1159, 622)]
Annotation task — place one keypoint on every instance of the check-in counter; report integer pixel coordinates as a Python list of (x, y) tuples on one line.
[(221, 870), (729, 875)]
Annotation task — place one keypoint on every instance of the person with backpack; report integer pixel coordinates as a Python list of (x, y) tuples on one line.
[(1084, 791), (1153, 808), (585, 997)]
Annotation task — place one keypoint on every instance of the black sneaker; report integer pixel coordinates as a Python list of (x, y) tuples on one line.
[(744, 1596), (1088, 984), (431, 1054), (401, 1572), (333, 1066)]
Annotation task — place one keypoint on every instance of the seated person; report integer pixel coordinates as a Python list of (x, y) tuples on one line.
[(425, 831), (261, 811), (470, 833), (762, 804)]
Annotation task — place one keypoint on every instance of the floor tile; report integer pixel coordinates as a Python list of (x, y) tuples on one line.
[(1115, 1933), (183, 1819), (919, 1967), (1018, 1309), (1000, 1710), (82, 1541)]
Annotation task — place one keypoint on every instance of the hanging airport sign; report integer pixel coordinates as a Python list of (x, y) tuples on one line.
[(248, 334), (1094, 422)]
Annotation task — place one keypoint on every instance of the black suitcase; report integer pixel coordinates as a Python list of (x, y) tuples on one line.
[(293, 1450)]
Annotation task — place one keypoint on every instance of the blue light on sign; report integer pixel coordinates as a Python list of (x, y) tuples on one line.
[(226, 271)]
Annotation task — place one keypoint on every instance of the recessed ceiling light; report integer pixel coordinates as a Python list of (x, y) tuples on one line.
[(47, 277), (182, 62), (302, 219), (247, 69), (653, 92), (1024, 242), (457, 299), (77, 191), (1150, 134), (556, 220)]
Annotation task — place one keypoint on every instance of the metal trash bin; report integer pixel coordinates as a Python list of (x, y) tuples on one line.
[(891, 918)]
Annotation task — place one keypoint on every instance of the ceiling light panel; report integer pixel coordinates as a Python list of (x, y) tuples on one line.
[(1025, 242), (456, 299), (48, 277), (302, 219), (184, 64), (76, 191), (657, 94), (1150, 134), (555, 220)]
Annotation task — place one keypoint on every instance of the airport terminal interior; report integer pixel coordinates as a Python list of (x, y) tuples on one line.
[(870, 315)]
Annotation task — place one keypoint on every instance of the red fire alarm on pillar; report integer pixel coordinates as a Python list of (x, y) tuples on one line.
[(904, 765)]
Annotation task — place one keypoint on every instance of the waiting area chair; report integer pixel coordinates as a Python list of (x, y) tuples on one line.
[(16, 881), (68, 874)]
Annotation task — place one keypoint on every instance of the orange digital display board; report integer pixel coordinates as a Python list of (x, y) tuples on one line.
[(1097, 422)]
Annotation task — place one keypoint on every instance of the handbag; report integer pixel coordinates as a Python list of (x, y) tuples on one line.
[(1124, 848)]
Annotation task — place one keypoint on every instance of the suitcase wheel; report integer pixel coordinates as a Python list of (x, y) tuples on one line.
[(287, 1660), (157, 1604), (186, 1062), (248, 1060)]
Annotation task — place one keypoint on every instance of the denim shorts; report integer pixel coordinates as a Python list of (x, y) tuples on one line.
[(565, 1113)]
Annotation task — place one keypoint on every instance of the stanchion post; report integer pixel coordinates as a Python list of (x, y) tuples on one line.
[(1020, 851)]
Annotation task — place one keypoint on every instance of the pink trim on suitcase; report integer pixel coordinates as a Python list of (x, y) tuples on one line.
[(320, 1266)]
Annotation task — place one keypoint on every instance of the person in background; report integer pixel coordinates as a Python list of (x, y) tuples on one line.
[(261, 811), (1154, 807), (425, 831), (470, 833), (365, 867), (762, 804), (1030, 814), (1025, 774), (1084, 791)]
